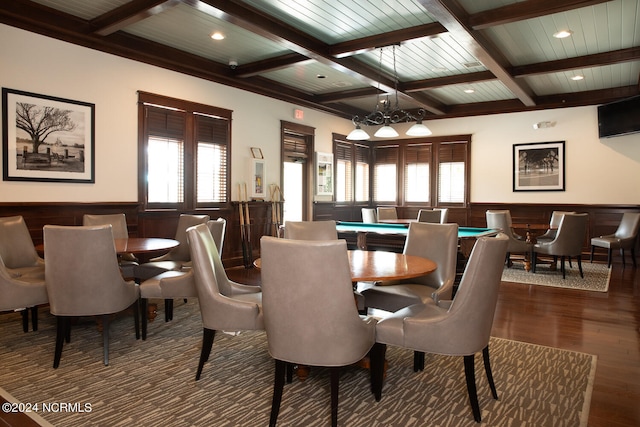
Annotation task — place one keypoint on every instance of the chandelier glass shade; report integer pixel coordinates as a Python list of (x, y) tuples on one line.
[(385, 114)]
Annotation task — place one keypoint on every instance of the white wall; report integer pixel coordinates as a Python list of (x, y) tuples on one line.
[(598, 171)]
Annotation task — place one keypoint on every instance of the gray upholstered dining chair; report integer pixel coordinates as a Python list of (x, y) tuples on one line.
[(177, 258), (554, 223), (118, 223), (369, 216), (439, 243), (568, 242), (430, 215), (310, 230), (501, 220), (224, 305), (24, 293), (625, 237), (460, 327), (332, 334), (383, 213), (181, 284), (93, 287), (17, 250)]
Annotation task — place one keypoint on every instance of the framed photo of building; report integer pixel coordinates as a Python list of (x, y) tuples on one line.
[(324, 174), (539, 166), (47, 138)]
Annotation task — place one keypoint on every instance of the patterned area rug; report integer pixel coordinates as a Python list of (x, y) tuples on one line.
[(151, 383), (596, 276)]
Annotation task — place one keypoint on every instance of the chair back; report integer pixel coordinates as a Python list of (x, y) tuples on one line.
[(309, 309), (310, 230), (467, 326), (20, 292), (218, 228), (218, 311), (429, 215), (118, 223), (16, 246), (387, 213), (444, 215), (369, 216), (629, 226), (439, 243), (181, 252), (501, 220), (556, 217), (82, 275), (570, 236)]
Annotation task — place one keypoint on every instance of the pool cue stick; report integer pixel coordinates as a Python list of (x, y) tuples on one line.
[(272, 196), (247, 223), (242, 231)]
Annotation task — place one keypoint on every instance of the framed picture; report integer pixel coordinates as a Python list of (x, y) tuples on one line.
[(538, 166), (258, 176), (256, 153), (47, 138), (324, 174)]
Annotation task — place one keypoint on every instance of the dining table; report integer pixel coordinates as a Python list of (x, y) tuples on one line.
[(136, 245)]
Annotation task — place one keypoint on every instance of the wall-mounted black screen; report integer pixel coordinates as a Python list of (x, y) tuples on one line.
[(619, 118)]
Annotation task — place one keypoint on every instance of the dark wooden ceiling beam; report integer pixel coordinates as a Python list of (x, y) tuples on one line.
[(366, 44), (594, 60), (344, 95), (525, 10), (280, 32), (418, 85), (270, 64), (455, 19), (129, 14)]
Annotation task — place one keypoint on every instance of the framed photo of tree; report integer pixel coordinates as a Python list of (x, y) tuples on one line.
[(47, 138)]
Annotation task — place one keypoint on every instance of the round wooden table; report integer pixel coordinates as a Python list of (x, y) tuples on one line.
[(380, 265), (142, 245)]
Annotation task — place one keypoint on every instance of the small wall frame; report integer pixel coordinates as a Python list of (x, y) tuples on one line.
[(324, 174), (258, 177)]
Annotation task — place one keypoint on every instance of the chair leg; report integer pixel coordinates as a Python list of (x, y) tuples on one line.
[(487, 369), (580, 266), (562, 267), (376, 356), (207, 342), (278, 386), (534, 260), (62, 324), (335, 382), (418, 361), (622, 255), (105, 337), (136, 317), (34, 317), (289, 373), (609, 257), (144, 308), (633, 257), (25, 319), (591, 258), (168, 310), (470, 375)]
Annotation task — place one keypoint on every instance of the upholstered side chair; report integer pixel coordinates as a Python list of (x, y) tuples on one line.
[(501, 220), (369, 216), (310, 230), (332, 334), (387, 213), (460, 327), (554, 223), (22, 293), (625, 237), (17, 250), (83, 278), (118, 223), (430, 215), (439, 243), (567, 243), (223, 306)]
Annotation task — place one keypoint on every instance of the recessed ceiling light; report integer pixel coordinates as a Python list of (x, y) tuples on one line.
[(577, 77), (469, 91), (217, 36), (563, 34), (321, 76)]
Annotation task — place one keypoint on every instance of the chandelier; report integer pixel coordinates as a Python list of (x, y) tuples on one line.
[(385, 113)]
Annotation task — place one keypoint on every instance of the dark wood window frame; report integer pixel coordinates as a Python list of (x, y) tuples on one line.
[(191, 112)]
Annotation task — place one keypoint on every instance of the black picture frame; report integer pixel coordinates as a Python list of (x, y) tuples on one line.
[(62, 151), (539, 166)]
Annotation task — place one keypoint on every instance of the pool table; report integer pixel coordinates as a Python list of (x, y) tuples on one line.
[(394, 235)]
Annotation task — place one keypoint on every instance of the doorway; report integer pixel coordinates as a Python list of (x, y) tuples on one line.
[(297, 149)]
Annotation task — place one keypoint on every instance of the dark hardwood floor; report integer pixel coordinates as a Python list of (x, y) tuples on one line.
[(604, 324)]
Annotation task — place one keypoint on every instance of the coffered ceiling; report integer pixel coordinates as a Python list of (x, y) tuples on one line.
[(452, 57)]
